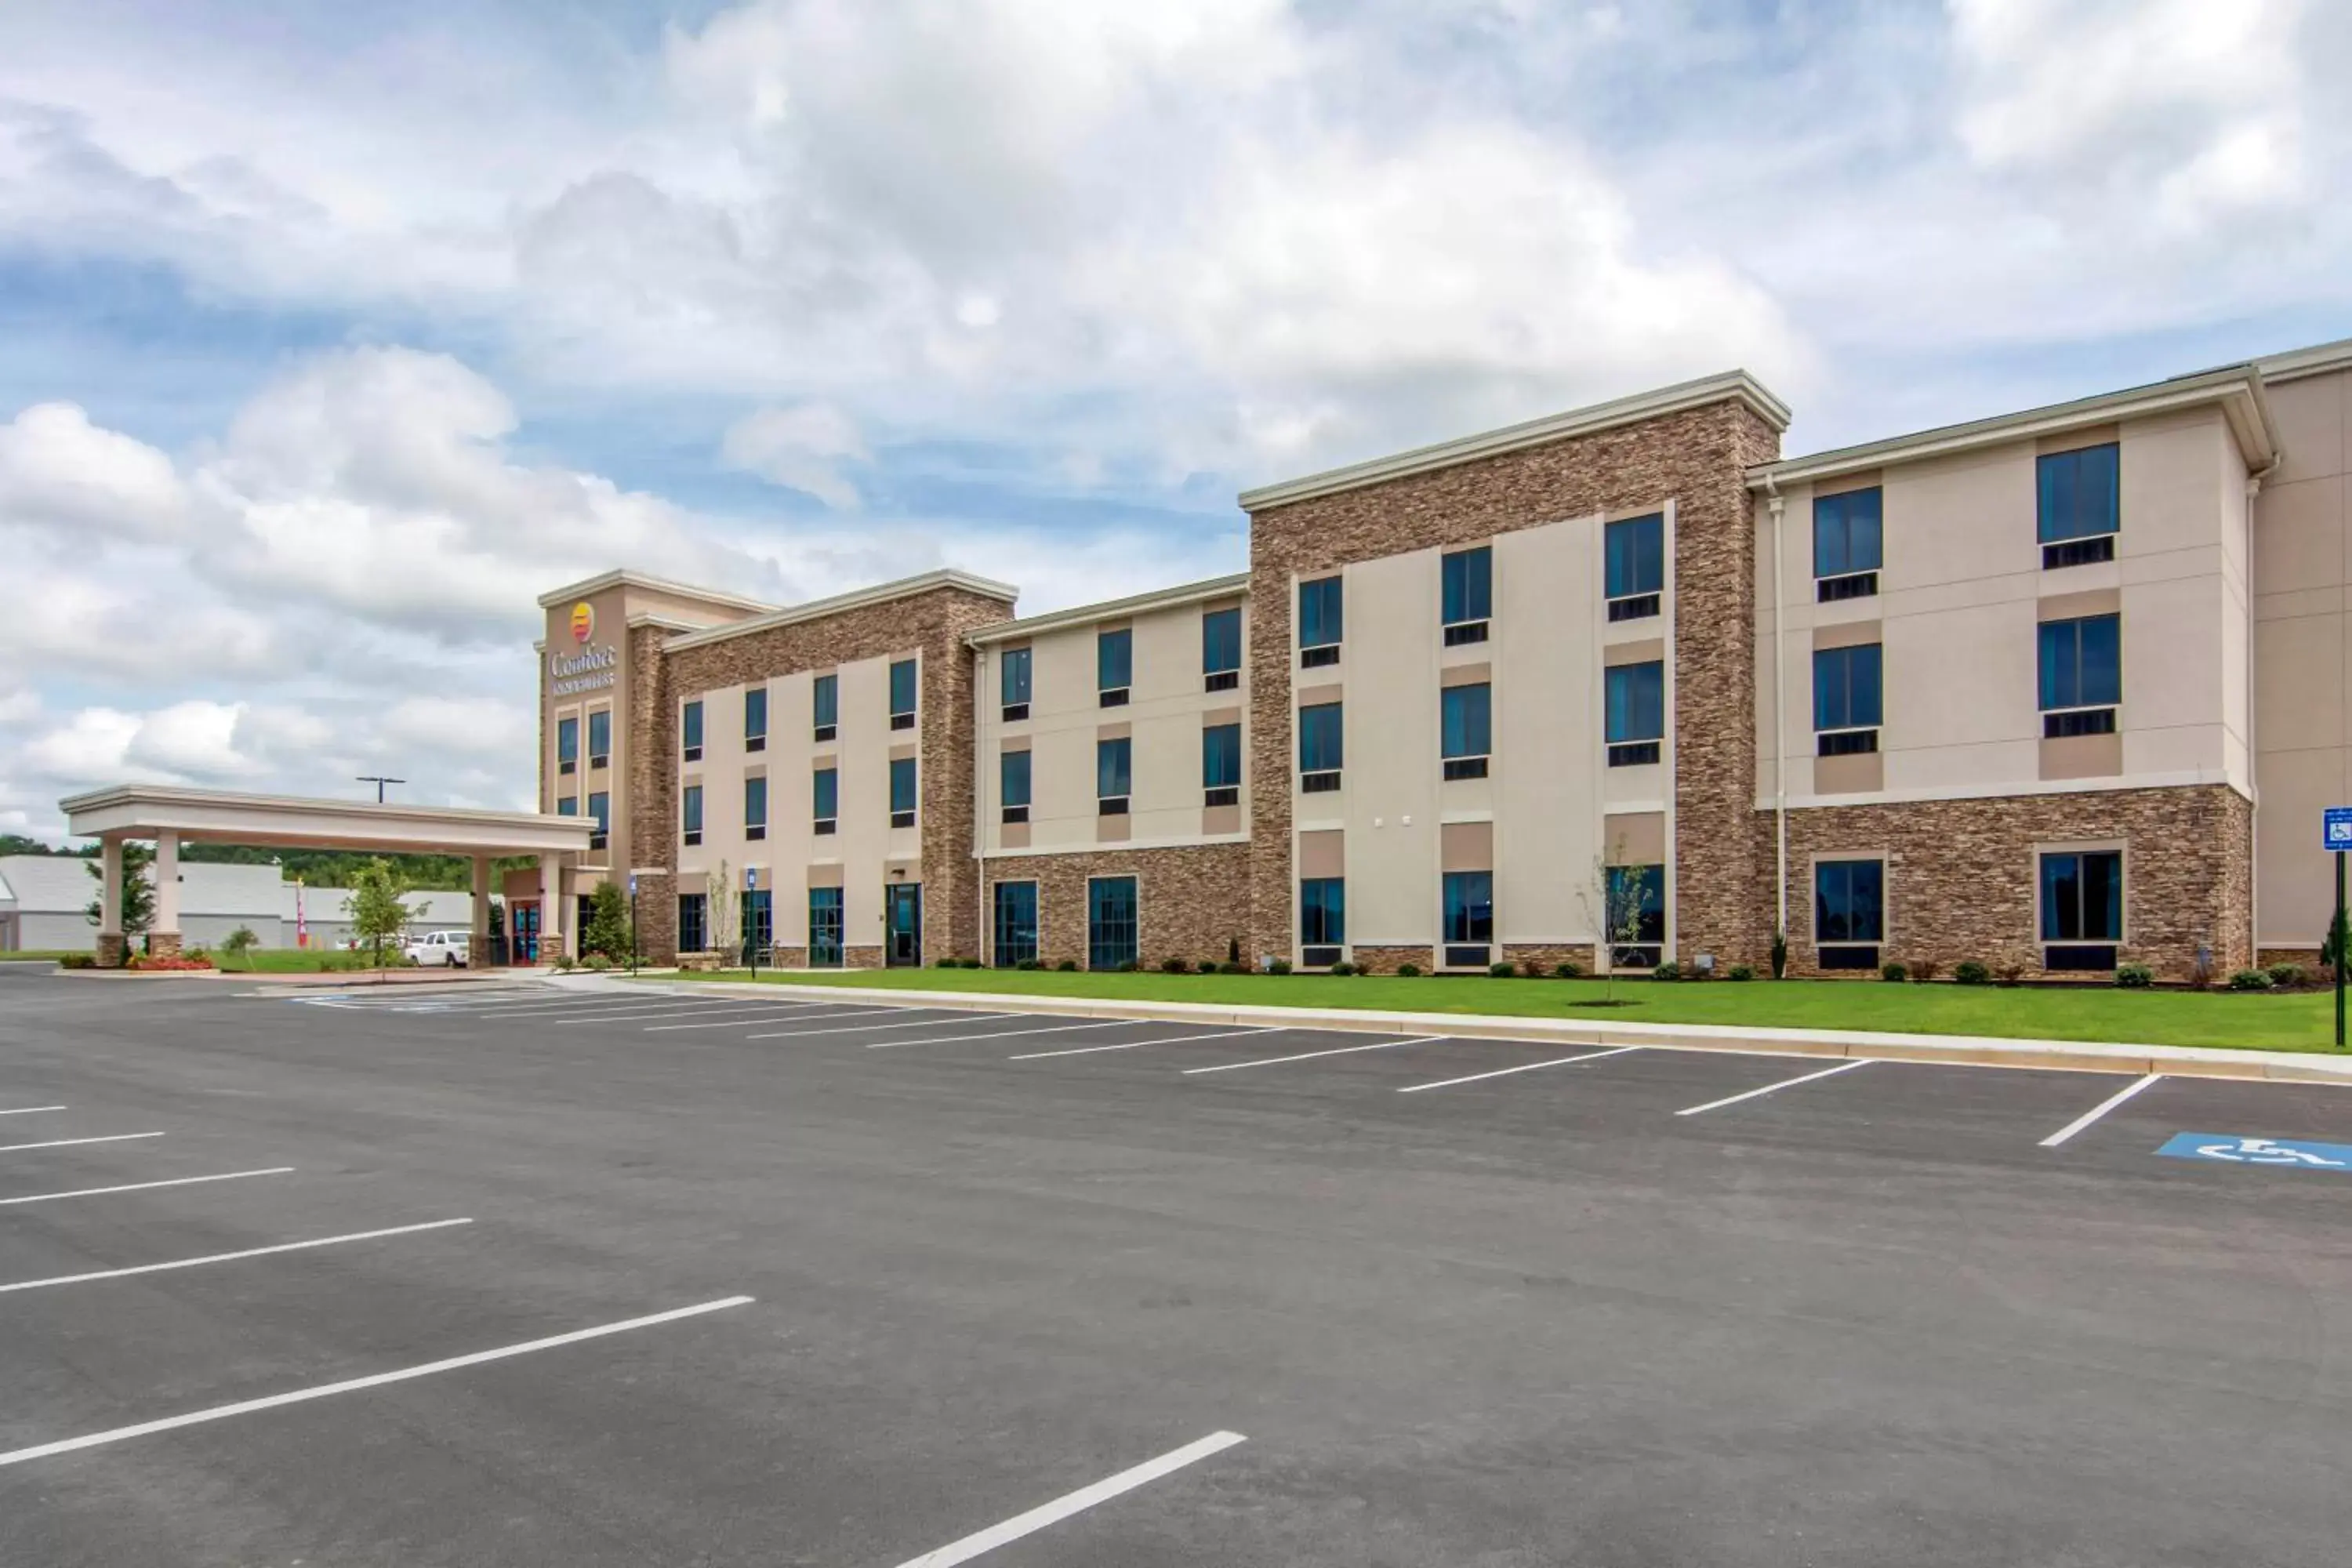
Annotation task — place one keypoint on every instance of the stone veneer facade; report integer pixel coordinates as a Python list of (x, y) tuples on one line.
[(1191, 902)]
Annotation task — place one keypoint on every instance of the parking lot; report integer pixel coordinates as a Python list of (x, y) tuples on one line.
[(613, 1275)]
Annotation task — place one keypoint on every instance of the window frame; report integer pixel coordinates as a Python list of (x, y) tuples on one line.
[(1013, 705), (599, 813), (824, 706), (1627, 749), (755, 719), (1646, 950), (1098, 946), (999, 925), (1322, 918), (1318, 774), (1114, 658), (1835, 882), (909, 769), (1114, 764), (1329, 620), (755, 785), (828, 917), (2050, 919), (1628, 597), (690, 730), (1848, 576), (2055, 472), (567, 744), (823, 781), (599, 760), (1844, 724), (690, 813), (2059, 716), (1469, 753), (1465, 608), (1221, 743), (903, 717), (1009, 811), (697, 926), (1219, 671)]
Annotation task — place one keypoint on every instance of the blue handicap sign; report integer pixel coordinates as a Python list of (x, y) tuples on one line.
[(2230, 1149), (2336, 828)]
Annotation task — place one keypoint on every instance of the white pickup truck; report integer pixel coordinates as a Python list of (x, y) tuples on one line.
[(440, 948)]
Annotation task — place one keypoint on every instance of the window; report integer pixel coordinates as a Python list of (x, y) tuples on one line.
[(693, 922), (1320, 755), (2082, 675), (689, 814), (1469, 928), (1469, 594), (902, 791), (1322, 920), (1846, 544), (690, 729), (2082, 908), (1016, 922), (755, 719), (1221, 650), (1113, 783), (1465, 727), (600, 737), (902, 694), (567, 745), (1636, 562), (600, 812), (1221, 765), (1849, 912), (824, 799), (1318, 622), (824, 708), (1114, 665), (2079, 496), (568, 806), (1111, 924), (1637, 916), (824, 928), (1637, 712), (1013, 785), (760, 922), (1012, 678), (755, 807), (1846, 699)]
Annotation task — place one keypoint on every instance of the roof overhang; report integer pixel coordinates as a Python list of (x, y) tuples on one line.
[(1736, 386), (141, 811), (621, 578), (1230, 587), (880, 594), (2236, 390)]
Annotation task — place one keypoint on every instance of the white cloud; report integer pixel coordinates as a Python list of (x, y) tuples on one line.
[(59, 471), (482, 726), (802, 447)]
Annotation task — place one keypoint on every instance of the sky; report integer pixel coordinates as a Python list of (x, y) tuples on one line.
[(331, 335)]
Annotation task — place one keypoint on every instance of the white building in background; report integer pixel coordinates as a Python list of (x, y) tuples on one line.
[(43, 899)]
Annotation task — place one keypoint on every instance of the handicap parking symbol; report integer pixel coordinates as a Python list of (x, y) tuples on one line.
[(2230, 1149)]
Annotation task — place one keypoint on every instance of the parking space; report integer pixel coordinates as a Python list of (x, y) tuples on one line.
[(619, 1275)]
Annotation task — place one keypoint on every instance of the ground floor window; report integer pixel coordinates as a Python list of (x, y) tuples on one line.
[(2082, 908), (824, 928), (1322, 920), (1637, 916), (693, 927), (1016, 922), (1111, 924), (758, 923), (1849, 912), (1469, 928)]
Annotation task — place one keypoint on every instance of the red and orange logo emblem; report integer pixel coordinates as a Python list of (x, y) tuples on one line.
[(583, 622)]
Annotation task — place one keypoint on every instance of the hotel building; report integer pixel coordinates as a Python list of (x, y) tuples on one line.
[(2053, 691)]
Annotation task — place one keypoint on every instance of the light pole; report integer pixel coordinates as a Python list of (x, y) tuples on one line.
[(379, 780)]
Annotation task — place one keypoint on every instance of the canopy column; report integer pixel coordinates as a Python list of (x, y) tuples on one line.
[(163, 936), (110, 949)]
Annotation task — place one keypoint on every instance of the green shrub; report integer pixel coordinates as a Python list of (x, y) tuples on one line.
[(2135, 976), (1232, 967), (1669, 970), (1029, 963), (565, 962), (948, 963), (2010, 972), (2288, 977), (1740, 971), (1504, 971), (1342, 967), (1780, 955), (1969, 971), (1173, 966), (78, 961), (2250, 980), (1128, 967), (1893, 972), (599, 962), (1278, 966), (1923, 970), (1068, 966), (1570, 970), (1408, 970)]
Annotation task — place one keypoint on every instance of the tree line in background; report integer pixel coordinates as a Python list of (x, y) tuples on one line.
[(316, 867)]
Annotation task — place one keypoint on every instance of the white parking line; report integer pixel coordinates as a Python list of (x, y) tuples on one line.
[(1136, 1045), (227, 1257), (1523, 1066), (29, 1110), (868, 1028), (601, 1007), (299, 1395), (1776, 1088), (2096, 1112), (1310, 1056), (144, 1187), (1078, 1502), (996, 1034), (71, 1142), (760, 1015)]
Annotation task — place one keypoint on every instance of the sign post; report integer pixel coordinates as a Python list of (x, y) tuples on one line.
[(2336, 834), (633, 922), (751, 942)]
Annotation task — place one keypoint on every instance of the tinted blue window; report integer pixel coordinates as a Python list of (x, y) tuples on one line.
[(693, 922), (600, 733), (1849, 901), (902, 687), (1637, 900), (825, 794), (1221, 755), (568, 806), (1846, 688), (690, 809), (2080, 492), (755, 803), (1637, 702), (1846, 532), (600, 811), (1636, 550), (1322, 912), (759, 920), (1466, 726), (2082, 662), (1469, 586), (1114, 660), (827, 700), (691, 726), (1016, 923), (1469, 907), (1110, 923), (1221, 641), (824, 927), (1013, 778), (902, 783), (1111, 768), (567, 739), (1319, 613), (1320, 748), (755, 712), (2083, 897), (1012, 674)]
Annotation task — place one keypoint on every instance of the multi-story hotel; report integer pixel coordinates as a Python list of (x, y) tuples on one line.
[(2053, 691)]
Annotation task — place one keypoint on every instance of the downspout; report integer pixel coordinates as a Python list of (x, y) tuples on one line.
[(1780, 719), (2253, 755), (981, 935)]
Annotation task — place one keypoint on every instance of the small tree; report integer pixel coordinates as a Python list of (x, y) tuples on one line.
[(1613, 902), (238, 943), (607, 927), (138, 890), (2339, 937), (377, 912), (720, 916)]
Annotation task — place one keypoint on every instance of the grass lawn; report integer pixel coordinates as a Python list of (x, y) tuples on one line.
[(2302, 1021), (289, 961)]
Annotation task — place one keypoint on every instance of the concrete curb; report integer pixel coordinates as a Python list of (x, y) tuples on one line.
[(1975, 1050)]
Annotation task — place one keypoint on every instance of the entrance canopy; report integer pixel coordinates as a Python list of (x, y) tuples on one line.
[(170, 816)]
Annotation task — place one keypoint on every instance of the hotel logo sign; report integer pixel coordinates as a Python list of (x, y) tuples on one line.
[(590, 668)]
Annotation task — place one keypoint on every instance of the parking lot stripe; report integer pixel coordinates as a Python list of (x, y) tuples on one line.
[(1078, 1502), (1523, 1066), (868, 1028), (761, 1015), (602, 1007), (352, 1386), (1776, 1088), (70, 1142), (227, 1257), (996, 1034), (1136, 1045), (28, 1109), (1310, 1056), (143, 1186), (2096, 1112)]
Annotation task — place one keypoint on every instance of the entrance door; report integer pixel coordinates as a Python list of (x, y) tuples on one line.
[(903, 907), (526, 931)]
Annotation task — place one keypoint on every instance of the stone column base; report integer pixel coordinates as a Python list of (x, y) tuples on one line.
[(111, 950), (162, 945)]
